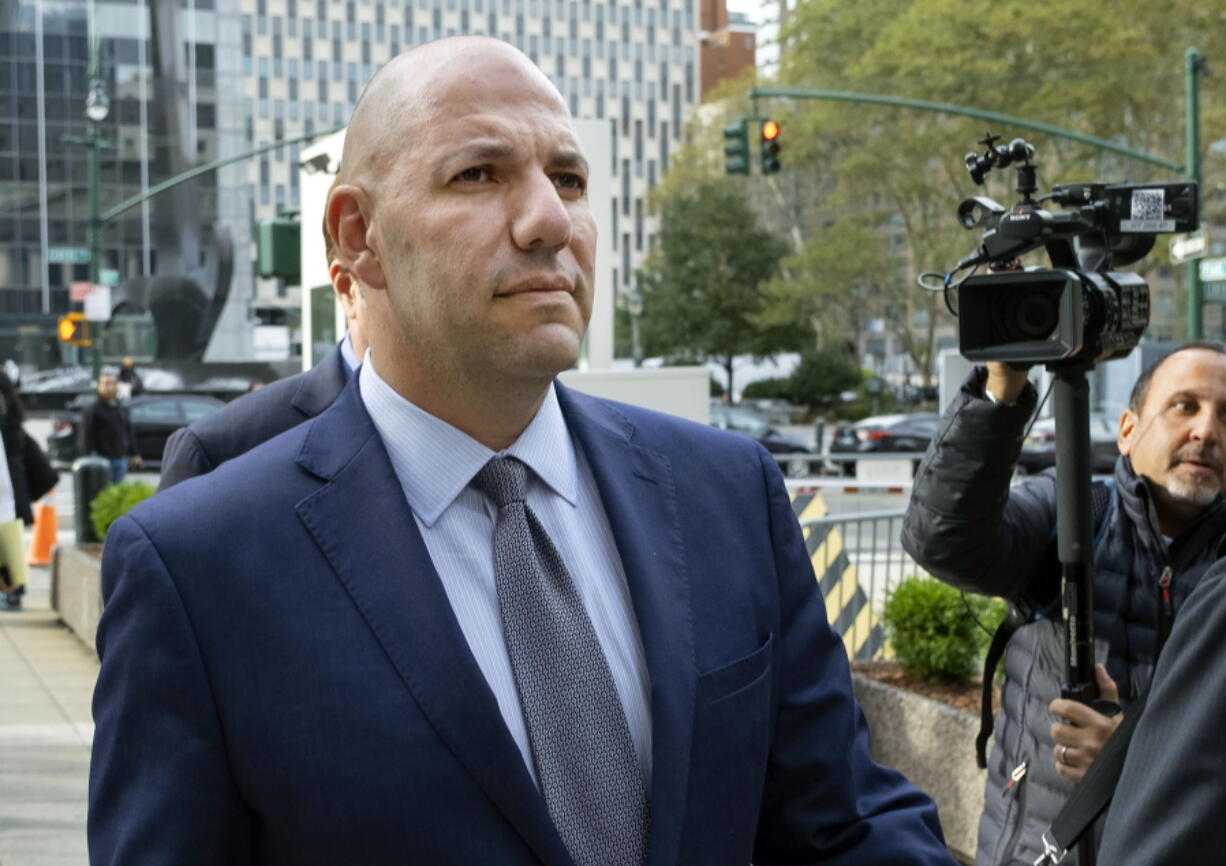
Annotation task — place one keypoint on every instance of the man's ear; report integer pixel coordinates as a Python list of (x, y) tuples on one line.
[(348, 216), (343, 285), (1128, 426)]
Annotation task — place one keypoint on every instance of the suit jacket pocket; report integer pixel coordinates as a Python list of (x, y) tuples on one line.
[(726, 681)]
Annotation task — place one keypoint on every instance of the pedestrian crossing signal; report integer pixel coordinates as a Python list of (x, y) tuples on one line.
[(73, 329)]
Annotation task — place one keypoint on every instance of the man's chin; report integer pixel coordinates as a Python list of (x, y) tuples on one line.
[(550, 350), (1198, 492)]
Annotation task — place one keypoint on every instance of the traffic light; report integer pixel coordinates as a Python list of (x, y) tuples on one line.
[(770, 146), (74, 330), (736, 148)]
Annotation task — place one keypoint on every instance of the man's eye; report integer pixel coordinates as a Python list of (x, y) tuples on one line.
[(473, 175), (1184, 405), (570, 180)]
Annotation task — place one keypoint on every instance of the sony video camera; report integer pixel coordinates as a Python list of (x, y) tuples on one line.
[(1081, 310)]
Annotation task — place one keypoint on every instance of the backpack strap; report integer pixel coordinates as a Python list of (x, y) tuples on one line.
[(1025, 610)]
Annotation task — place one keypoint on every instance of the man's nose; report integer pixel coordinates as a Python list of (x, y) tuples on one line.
[(541, 219), (1208, 427)]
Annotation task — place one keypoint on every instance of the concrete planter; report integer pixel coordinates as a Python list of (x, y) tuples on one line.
[(76, 589), (933, 745)]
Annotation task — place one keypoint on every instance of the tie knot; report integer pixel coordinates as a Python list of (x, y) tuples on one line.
[(504, 480)]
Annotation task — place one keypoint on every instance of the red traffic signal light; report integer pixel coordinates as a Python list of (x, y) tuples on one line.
[(771, 130), (73, 329)]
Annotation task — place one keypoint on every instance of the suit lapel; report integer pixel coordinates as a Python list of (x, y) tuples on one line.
[(365, 529), (636, 488)]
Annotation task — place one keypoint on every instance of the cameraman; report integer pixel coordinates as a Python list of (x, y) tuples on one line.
[(967, 527)]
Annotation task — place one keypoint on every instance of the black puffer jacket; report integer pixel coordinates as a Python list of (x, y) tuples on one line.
[(968, 528)]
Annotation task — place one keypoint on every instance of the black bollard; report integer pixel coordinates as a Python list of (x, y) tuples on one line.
[(89, 476)]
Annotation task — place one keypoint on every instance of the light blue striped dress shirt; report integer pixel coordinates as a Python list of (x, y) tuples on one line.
[(435, 464)]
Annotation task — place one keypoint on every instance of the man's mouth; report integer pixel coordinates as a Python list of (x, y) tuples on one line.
[(538, 285), (1204, 463)]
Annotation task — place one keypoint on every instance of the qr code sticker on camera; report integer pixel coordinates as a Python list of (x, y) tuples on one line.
[(1147, 204), (1146, 215)]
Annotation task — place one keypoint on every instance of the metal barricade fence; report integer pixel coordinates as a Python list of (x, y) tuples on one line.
[(858, 560), (806, 464)]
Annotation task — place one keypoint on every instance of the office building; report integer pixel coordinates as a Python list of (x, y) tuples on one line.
[(246, 72)]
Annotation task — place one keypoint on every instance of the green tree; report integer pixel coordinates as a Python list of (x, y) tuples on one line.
[(1112, 69), (704, 281)]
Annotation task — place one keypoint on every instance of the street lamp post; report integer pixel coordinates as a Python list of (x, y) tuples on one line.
[(97, 107), (635, 308)]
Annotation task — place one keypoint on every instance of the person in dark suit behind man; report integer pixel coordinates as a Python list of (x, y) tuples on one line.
[(271, 409), (1170, 798), (472, 616)]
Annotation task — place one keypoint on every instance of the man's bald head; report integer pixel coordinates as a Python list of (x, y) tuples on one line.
[(405, 90)]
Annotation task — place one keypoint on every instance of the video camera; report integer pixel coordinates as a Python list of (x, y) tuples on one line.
[(1079, 311)]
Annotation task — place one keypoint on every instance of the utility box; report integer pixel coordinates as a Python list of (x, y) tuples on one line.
[(278, 250)]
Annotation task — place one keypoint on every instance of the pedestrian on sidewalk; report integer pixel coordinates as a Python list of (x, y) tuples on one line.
[(130, 384), (106, 430), (15, 510)]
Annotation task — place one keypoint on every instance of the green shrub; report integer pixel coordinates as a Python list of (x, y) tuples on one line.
[(933, 633), (822, 375), (114, 501), (716, 389), (768, 389)]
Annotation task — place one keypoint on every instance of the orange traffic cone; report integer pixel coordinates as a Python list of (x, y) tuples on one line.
[(46, 528)]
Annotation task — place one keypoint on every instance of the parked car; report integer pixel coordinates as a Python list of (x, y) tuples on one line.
[(154, 418), (756, 427), (896, 434), (1039, 448)]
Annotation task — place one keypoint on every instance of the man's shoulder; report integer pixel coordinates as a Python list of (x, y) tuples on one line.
[(249, 420), (250, 480)]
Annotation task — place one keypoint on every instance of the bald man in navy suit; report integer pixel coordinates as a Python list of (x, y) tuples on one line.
[(472, 616)]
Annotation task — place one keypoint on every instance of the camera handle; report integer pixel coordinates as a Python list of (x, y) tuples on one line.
[(1075, 545)]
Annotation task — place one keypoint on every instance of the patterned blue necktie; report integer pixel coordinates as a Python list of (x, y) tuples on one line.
[(585, 760)]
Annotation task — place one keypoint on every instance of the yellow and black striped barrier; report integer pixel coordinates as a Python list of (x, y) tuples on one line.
[(847, 606)]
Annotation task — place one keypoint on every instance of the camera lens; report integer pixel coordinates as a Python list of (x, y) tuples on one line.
[(1031, 315)]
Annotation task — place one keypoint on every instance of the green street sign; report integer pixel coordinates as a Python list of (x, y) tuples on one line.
[(1212, 270), (108, 277), (67, 255)]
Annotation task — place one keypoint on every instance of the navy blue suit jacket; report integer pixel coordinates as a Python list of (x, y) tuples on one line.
[(283, 680), (251, 419)]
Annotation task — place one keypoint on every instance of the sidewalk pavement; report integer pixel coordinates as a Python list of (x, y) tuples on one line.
[(46, 682)]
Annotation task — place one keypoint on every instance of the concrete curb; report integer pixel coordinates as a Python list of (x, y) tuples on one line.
[(76, 589)]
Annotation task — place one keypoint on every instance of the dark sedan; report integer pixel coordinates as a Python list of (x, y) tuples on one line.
[(1039, 449), (756, 427), (894, 434), (154, 418)]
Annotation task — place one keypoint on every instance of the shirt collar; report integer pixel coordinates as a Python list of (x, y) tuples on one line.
[(351, 358), (435, 461)]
